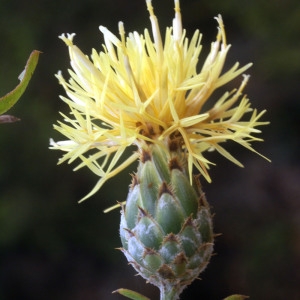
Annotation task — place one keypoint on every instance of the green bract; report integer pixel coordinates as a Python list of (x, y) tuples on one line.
[(166, 225)]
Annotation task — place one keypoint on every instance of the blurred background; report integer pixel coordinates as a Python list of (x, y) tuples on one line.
[(51, 247)]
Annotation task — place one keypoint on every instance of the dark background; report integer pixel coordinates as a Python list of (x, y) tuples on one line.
[(51, 247)]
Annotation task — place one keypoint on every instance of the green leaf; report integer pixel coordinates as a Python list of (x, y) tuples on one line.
[(7, 101), (236, 297), (131, 294)]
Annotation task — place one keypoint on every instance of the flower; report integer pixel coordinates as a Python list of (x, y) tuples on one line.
[(140, 90)]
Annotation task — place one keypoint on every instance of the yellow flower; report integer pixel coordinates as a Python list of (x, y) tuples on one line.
[(141, 89)]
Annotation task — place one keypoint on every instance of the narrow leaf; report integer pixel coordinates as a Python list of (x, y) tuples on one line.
[(8, 119), (131, 294), (7, 101), (236, 297)]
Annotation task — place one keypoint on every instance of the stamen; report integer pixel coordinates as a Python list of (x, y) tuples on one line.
[(177, 22), (221, 34), (155, 31)]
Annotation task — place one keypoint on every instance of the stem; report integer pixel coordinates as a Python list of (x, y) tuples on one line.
[(169, 293)]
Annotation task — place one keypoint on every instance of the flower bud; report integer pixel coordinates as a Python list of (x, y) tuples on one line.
[(166, 225)]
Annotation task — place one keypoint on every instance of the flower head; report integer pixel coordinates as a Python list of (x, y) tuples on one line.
[(140, 89)]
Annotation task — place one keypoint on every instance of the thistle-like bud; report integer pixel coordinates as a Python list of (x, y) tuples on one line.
[(166, 225)]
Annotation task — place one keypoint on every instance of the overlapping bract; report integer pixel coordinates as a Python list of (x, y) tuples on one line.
[(166, 225)]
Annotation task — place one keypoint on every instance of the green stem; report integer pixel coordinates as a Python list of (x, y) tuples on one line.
[(169, 293)]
